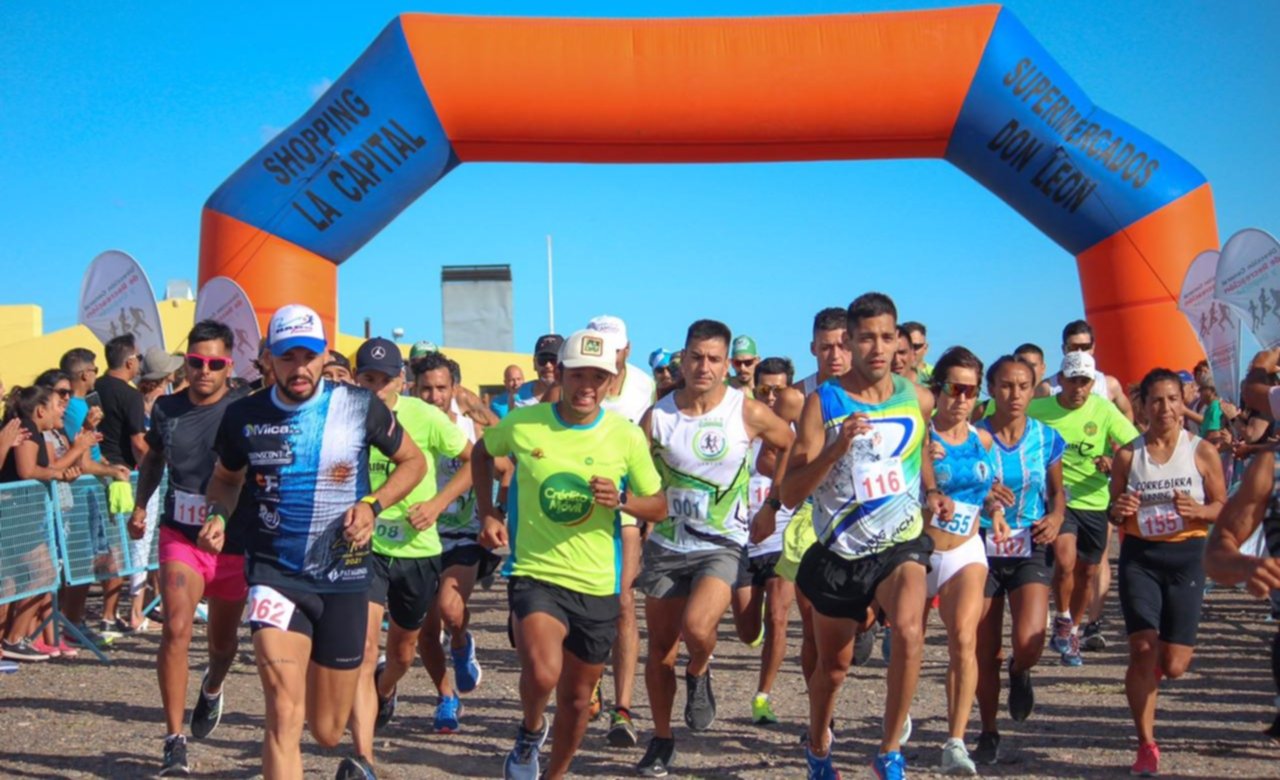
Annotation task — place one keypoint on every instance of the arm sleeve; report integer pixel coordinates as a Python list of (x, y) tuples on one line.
[(642, 475), (229, 444), (497, 440), (381, 428)]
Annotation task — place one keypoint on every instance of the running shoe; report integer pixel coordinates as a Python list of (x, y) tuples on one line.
[(22, 650), (207, 713), (1022, 696), (175, 757), (863, 645), (447, 711), (42, 646), (92, 637), (658, 757), (355, 769), (890, 766), (955, 759), (988, 750), (820, 768), (67, 650), (700, 701), (522, 762), (8, 667), (466, 669), (1060, 639), (762, 712), (1092, 637), (622, 732), (387, 706), (1072, 657), (597, 702), (1148, 763)]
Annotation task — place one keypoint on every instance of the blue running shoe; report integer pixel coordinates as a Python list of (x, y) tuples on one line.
[(1071, 656), (466, 669), (821, 768), (447, 711), (522, 762), (1060, 640), (890, 766)]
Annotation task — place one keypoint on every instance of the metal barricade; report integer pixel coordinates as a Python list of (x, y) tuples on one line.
[(28, 552), (94, 543)]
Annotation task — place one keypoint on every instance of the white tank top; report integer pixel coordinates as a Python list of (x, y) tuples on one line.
[(1099, 385), (1157, 483), (705, 466), (757, 492), (809, 384), (636, 396), (458, 523)]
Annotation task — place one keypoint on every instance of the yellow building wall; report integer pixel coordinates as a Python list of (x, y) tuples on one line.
[(25, 351)]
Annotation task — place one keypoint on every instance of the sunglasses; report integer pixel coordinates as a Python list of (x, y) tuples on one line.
[(545, 358), (740, 362), (201, 362), (662, 370), (958, 390), (764, 391), (63, 392), (917, 346), (1085, 347)]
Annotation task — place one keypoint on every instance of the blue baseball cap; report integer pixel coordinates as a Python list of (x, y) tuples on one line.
[(660, 358), (295, 325)]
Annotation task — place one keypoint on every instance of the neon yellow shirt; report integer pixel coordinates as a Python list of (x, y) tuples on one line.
[(436, 436), (1087, 431), (559, 535)]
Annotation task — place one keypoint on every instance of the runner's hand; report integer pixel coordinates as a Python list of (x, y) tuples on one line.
[(999, 496), (606, 492), (1263, 576), (138, 523), (1187, 506), (493, 533), (763, 524), (212, 535), (937, 504), (853, 425), (999, 527), (1125, 506), (1103, 464), (357, 524), (1045, 530), (424, 514), (937, 451)]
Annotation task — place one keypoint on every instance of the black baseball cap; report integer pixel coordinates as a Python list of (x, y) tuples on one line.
[(549, 344), (381, 355)]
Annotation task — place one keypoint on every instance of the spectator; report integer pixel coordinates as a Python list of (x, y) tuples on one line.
[(512, 378), (80, 366), (123, 427), (338, 368), (158, 368)]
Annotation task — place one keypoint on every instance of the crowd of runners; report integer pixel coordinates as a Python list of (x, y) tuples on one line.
[(346, 510)]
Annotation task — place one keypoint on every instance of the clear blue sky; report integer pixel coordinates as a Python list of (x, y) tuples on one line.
[(118, 121)]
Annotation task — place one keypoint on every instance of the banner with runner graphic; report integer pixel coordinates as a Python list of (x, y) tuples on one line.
[(223, 300), (1216, 324), (1249, 279), (116, 298)]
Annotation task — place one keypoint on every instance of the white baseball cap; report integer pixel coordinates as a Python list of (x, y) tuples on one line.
[(613, 328), (295, 325), (1079, 365), (589, 349)]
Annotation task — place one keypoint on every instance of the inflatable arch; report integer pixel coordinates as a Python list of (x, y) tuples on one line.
[(968, 85)]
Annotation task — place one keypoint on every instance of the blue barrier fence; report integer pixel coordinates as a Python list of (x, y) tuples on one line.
[(29, 563)]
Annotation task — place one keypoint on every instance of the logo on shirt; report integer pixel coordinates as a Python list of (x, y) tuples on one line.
[(269, 517), (710, 443), (1091, 428), (566, 499), (270, 429), (280, 457)]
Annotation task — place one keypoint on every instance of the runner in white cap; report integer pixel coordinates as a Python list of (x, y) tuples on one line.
[(302, 449), (1077, 336)]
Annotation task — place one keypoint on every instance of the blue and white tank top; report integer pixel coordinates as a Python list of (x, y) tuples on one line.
[(964, 474), (1023, 468)]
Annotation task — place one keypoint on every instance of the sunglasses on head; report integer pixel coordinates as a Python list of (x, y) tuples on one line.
[(958, 390), (1085, 347), (198, 362)]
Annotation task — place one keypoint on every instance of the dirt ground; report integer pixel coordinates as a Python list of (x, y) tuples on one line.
[(82, 719)]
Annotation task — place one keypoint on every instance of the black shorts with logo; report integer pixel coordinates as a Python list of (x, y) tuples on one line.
[(1162, 587), (755, 571), (336, 623), (1005, 575), (842, 588), (592, 621), (1091, 529), (405, 586), (471, 555)]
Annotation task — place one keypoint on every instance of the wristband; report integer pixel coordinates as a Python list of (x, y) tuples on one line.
[(501, 507), (209, 518), (373, 503), (773, 503), (927, 491)]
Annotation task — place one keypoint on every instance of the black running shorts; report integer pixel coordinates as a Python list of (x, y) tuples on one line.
[(472, 555), (1090, 527), (592, 621), (336, 623), (1005, 575), (842, 588), (405, 586), (754, 572), (1162, 587)]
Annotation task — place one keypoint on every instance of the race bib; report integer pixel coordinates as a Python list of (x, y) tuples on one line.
[(876, 479), (758, 492), (1159, 520), (269, 607), (962, 520), (391, 530), (1016, 545), (189, 508), (688, 504)]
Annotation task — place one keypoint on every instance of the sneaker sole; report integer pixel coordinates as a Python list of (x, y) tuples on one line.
[(446, 730), (654, 772)]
